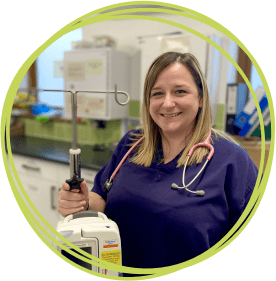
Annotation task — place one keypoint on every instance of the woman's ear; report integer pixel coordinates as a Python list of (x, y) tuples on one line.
[(200, 103)]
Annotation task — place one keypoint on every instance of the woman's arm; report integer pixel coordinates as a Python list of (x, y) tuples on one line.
[(96, 202)]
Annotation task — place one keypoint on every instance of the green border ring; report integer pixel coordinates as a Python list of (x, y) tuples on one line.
[(31, 212)]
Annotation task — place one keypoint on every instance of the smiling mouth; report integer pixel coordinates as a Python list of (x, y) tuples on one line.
[(171, 115)]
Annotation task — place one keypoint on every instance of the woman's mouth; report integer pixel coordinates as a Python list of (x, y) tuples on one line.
[(171, 115)]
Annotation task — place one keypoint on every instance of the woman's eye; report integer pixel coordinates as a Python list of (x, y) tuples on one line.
[(180, 91), (156, 94)]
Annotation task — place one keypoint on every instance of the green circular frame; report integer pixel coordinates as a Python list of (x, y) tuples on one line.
[(43, 229)]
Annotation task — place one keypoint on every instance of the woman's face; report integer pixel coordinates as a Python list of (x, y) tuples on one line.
[(174, 100)]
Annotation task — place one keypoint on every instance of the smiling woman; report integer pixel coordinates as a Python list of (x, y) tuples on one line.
[(160, 225)]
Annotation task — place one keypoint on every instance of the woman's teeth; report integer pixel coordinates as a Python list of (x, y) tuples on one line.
[(170, 115)]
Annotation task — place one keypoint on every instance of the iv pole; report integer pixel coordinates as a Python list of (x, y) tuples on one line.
[(75, 163)]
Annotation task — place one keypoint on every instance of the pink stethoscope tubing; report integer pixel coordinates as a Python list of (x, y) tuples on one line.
[(109, 181), (124, 158), (205, 143)]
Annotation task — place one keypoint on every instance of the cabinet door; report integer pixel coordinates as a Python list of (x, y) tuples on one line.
[(44, 196)]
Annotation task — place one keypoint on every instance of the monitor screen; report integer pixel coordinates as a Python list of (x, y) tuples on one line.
[(78, 261)]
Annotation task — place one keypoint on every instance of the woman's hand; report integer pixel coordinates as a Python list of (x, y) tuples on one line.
[(72, 201)]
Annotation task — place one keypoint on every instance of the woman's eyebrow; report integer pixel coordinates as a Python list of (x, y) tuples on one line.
[(176, 86), (156, 88), (182, 85)]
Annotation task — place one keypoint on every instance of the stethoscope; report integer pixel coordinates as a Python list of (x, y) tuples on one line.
[(206, 143)]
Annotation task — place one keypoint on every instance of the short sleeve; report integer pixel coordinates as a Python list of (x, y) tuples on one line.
[(240, 181)]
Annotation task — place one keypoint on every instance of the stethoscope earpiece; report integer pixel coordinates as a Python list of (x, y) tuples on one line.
[(174, 186), (198, 192)]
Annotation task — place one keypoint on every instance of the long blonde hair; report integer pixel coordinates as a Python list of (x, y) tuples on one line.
[(152, 132)]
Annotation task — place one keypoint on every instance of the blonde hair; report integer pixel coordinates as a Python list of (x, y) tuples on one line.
[(152, 132)]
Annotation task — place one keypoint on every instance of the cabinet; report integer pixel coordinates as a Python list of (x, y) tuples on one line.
[(44, 195), (42, 182), (98, 70)]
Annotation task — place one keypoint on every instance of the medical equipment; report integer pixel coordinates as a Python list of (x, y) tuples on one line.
[(206, 143), (89, 230), (95, 234), (97, 68), (75, 163)]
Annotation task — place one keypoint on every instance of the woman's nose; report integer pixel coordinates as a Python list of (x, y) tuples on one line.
[(169, 101)]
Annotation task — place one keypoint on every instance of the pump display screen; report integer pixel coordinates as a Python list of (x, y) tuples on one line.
[(76, 260)]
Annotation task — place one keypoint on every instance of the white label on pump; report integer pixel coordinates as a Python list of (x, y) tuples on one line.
[(110, 243)]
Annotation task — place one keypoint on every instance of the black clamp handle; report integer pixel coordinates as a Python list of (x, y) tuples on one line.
[(75, 182)]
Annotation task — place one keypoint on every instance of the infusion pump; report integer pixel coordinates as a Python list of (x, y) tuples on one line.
[(97, 69), (95, 234)]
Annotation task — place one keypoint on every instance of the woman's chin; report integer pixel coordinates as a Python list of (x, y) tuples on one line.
[(174, 131)]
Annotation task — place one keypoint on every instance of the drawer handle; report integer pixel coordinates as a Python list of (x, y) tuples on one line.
[(30, 168), (33, 187), (53, 189)]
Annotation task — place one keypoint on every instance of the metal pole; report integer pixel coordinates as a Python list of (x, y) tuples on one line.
[(74, 118)]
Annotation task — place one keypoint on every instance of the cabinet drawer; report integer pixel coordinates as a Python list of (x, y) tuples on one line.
[(35, 168)]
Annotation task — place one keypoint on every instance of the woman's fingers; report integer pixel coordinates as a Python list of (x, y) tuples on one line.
[(71, 201), (84, 188), (65, 186), (67, 212), (71, 204), (71, 196)]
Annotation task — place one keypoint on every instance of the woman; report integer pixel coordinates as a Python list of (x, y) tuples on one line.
[(161, 226)]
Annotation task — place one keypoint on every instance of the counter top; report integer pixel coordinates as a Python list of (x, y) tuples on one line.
[(58, 151)]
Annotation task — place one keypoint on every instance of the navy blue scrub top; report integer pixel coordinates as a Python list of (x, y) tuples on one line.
[(161, 226)]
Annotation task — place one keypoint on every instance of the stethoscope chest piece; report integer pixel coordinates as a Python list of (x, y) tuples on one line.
[(108, 185)]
